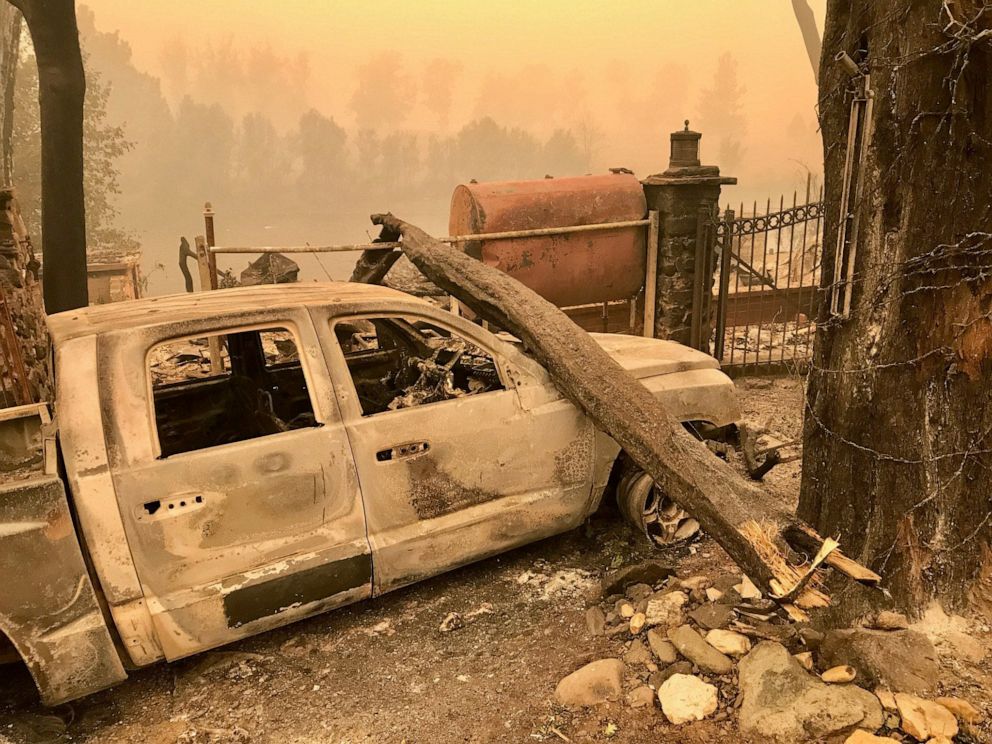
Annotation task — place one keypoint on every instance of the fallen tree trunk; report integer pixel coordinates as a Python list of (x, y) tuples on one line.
[(736, 513)]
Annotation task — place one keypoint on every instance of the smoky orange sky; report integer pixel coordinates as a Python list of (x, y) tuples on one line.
[(619, 75), (583, 37)]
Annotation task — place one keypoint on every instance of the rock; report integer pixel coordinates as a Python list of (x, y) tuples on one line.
[(637, 623), (649, 572), (889, 620), (952, 634), (666, 609), (595, 683), (640, 697), (452, 621), (713, 615), (636, 592), (658, 679), (811, 638), (728, 642), (886, 698), (637, 653), (805, 660), (962, 709), (863, 737), (695, 648), (595, 621), (627, 610), (839, 675), (685, 698), (903, 660), (695, 582), (923, 719), (713, 594), (663, 649), (747, 589), (787, 635), (726, 583), (783, 703), (940, 740), (963, 646)]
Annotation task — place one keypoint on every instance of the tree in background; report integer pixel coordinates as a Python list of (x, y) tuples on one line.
[(437, 86), (384, 94), (562, 155), (61, 93), (320, 148), (103, 146), (203, 145), (720, 113), (898, 430)]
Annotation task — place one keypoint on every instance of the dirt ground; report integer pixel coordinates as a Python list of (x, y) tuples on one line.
[(382, 671)]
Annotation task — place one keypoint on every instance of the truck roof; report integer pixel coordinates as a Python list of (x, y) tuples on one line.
[(187, 307)]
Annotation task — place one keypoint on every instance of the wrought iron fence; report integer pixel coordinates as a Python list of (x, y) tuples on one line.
[(768, 292)]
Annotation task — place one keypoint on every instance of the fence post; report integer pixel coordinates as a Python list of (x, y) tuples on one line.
[(208, 228), (725, 240), (685, 196)]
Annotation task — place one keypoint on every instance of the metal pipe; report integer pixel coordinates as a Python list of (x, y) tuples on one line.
[(546, 231), (849, 65), (448, 239), (651, 274), (303, 248), (721, 301)]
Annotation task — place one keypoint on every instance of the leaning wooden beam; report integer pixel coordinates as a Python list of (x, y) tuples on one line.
[(738, 515)]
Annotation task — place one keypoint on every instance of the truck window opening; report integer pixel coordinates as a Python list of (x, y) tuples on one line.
[(400, 363), (257, 387)]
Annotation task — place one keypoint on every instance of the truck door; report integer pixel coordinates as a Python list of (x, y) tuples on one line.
[(243, 511), (460, 456)]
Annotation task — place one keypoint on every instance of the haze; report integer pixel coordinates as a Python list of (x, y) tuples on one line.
[(618, 77)]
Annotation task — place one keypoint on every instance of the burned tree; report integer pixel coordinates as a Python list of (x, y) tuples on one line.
[(898, 430), (61, 90)]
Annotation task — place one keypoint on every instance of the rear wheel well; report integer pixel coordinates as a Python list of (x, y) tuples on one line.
[(8, 651)]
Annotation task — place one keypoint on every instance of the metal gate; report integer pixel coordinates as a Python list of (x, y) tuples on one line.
[(768, 293)]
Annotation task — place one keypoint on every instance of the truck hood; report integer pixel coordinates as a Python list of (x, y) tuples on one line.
[(647, 357)]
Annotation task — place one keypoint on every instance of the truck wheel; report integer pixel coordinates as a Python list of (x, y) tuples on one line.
[(649, 510)]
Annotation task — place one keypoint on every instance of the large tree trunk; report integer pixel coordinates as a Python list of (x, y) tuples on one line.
[(736, 513), (898, 431), (61, 90)]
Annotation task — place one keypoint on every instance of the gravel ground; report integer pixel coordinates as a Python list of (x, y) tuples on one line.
[(382, 671)]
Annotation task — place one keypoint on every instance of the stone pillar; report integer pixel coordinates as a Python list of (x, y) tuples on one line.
[(686, 196)]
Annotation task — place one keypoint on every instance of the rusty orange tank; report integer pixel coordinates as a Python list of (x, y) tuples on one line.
[(571, 269)]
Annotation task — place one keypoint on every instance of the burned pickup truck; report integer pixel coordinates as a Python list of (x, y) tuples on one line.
[(222, 464)]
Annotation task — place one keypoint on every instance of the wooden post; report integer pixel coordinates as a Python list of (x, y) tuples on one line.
[(206, 273), (208, 228)]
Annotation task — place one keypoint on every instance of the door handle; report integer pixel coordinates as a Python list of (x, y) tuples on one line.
[(402, 450)]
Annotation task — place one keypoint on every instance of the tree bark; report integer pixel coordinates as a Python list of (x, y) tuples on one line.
[(61, 90), (898, 430), (732, 510)]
